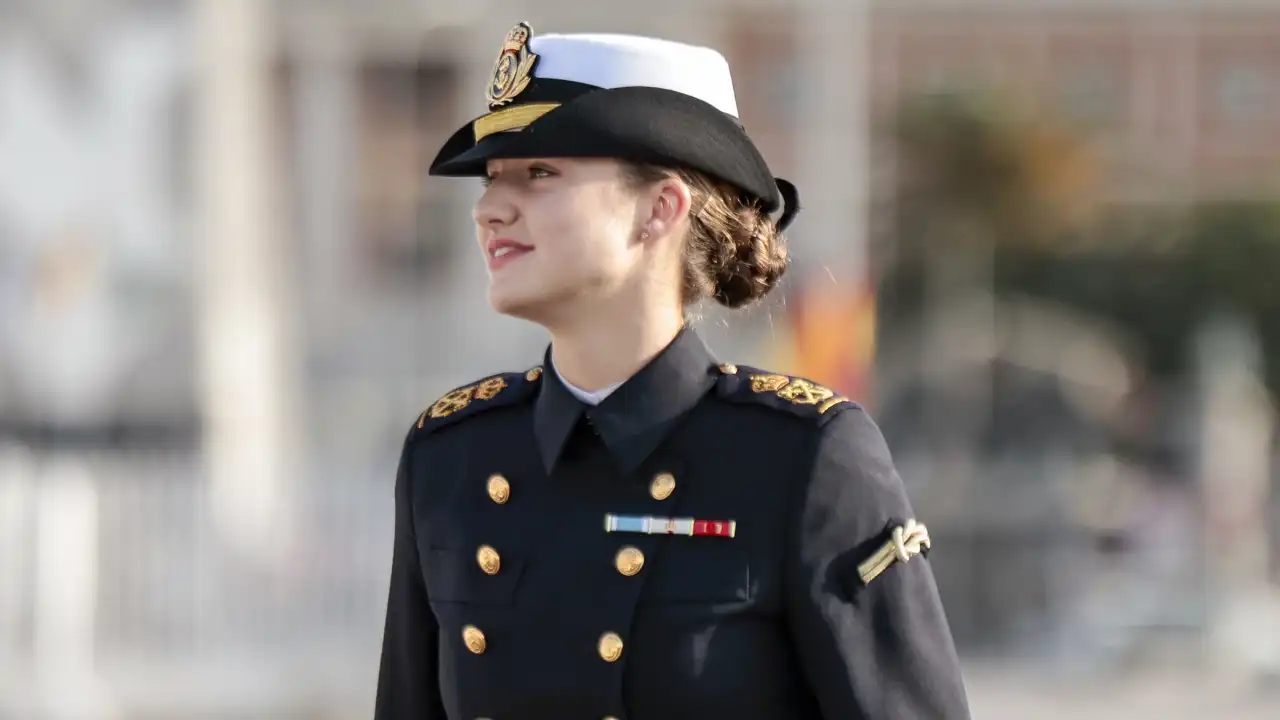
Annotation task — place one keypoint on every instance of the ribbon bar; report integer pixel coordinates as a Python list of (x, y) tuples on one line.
[(651, 525)]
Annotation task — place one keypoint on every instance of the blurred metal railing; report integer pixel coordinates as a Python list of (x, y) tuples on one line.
[(114, 578)]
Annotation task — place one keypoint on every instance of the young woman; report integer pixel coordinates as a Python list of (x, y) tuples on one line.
[(632, 529)]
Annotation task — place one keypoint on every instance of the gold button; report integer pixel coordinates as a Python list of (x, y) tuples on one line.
[(662, 486), (488, 559), (610, 647), (474, 639), (629, 560), (533, 374), (729, 369), (499, 489)]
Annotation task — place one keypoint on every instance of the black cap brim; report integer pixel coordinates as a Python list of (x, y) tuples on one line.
[(639, 124)]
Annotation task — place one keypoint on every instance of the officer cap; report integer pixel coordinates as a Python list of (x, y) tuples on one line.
[(633, 98)]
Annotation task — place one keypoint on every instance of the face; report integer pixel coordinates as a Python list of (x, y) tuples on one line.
[(557, 233)]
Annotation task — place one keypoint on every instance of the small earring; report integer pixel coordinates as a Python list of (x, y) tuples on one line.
[(644, 235)]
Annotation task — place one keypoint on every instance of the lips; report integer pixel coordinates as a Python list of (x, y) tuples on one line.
[(501, 251)]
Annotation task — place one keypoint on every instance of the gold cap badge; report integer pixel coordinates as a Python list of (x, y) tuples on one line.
[(511, 71)]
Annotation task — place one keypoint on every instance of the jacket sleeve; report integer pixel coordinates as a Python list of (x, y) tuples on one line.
[(881, 649), (408, 684)]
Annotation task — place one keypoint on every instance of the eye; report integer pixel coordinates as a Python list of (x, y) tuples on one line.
[(540, 171)]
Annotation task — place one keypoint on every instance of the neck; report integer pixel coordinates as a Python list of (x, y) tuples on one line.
[(599, 350)]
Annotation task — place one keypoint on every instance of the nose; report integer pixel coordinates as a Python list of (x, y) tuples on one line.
[(495, 208)]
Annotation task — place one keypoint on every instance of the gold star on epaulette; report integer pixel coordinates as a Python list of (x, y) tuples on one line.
[(906, 541)]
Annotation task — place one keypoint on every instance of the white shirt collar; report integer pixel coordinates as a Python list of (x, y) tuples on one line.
[(590, 398)]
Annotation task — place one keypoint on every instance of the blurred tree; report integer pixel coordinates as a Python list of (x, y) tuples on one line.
[(973, 175), (978, 178), (1232, 257), (1022, 177), (1160, 278)]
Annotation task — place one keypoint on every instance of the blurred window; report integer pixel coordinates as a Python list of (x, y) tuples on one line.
[(1245, 95), (403, 222), (1090, 93), (763, 51), (950, 76)]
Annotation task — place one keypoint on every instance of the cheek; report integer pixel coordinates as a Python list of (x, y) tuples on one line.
[(581, 233), (606, 229)]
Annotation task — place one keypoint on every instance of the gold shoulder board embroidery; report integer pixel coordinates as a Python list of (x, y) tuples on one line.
[(797, 391), (456, 400)]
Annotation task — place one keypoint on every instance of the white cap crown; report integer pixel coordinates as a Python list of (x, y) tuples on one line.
[(614, 61)]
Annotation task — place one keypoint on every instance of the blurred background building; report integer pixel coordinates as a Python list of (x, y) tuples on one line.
[(1040, 243)]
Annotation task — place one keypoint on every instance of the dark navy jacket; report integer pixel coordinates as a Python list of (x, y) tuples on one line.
[(546, 566)]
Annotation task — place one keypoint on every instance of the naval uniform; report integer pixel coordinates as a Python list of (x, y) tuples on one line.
[(707, 542)]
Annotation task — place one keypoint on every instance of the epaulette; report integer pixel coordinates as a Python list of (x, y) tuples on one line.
[(491, 392), (799, 396)]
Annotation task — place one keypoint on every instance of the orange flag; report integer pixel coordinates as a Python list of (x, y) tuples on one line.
[(832, 336)]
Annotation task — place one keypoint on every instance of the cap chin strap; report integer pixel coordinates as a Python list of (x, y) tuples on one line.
[(790, 203)]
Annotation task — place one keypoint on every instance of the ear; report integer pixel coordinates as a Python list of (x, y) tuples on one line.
[(670, 205)]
